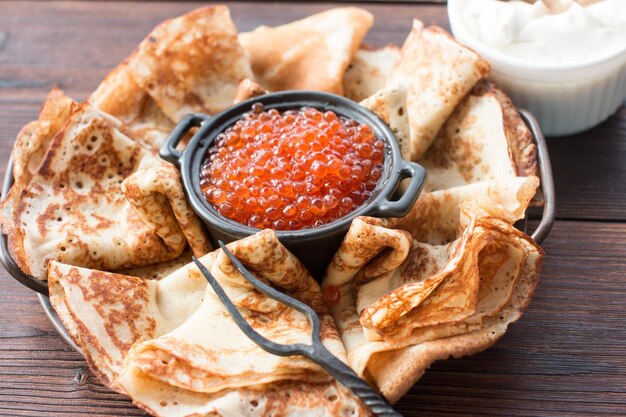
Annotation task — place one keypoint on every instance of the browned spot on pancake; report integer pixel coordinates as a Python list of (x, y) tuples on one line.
[(468, 158), (454, 148), (48, 215), (281, 398), (424, 220), (103, 222), (417, 263), (491, 259), (120, 302)]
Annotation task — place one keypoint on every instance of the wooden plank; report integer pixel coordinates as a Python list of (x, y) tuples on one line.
[(565, 357), (590, 171)]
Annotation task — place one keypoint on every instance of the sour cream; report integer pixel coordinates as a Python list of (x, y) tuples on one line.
[(532, 33)]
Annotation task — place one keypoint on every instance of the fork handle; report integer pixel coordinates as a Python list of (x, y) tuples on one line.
[(346, 376), (371, 398)]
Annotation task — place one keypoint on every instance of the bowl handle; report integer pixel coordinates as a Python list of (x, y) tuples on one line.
[(168, 150), (401, 206)]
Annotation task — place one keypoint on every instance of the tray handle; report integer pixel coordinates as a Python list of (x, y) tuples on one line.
[(547, 180)]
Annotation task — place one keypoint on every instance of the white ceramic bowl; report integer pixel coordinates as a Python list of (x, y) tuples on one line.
[(565, 98)]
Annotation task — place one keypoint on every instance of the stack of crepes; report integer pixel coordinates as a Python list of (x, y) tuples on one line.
[(96, 213)]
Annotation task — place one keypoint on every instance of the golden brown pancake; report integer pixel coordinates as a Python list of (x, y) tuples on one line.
[(308, 54), (248, 89), (390, 104), (172, 346), (399, 291), (73, 208), (119, 95), (437, 72), (483, 140), (192, 63), (369, 70)]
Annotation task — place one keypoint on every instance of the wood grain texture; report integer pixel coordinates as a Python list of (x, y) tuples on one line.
[(567, 355)]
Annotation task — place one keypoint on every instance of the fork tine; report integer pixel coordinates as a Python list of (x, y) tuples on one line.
[(315, 351), (275, 294), (261, 341)]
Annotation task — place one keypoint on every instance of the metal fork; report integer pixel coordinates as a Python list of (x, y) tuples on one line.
[(315, 351)]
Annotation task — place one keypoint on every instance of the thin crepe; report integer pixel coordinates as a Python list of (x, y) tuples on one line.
[(119, 95), (34, 138), (192, 63), (248, 89), (156, 340), (308, 54), (483, 140), (447, 278), (391, 289), (390, 104), (368, 72), (437, 72), (28, 151), (158, 197), (72, 207)]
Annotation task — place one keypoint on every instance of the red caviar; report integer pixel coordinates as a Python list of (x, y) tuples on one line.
[(293, 170), (332, 295)]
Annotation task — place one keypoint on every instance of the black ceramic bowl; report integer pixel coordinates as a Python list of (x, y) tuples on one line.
[(314, 247)]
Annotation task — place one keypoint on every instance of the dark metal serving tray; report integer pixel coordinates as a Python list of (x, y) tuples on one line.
[(546, 194)]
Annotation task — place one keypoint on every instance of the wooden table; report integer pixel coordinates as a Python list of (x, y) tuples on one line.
[(566, 356)]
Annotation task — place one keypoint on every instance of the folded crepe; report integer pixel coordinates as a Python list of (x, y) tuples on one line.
[(402, 299), (449, 277), (483, 140), (119, 95), (173, 348), (71, 207), (390, 104), (192, 63), (484, 143), (369, 70), (158, 197), (34, 138), (29, 149), (308, 54), (437, 72)]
